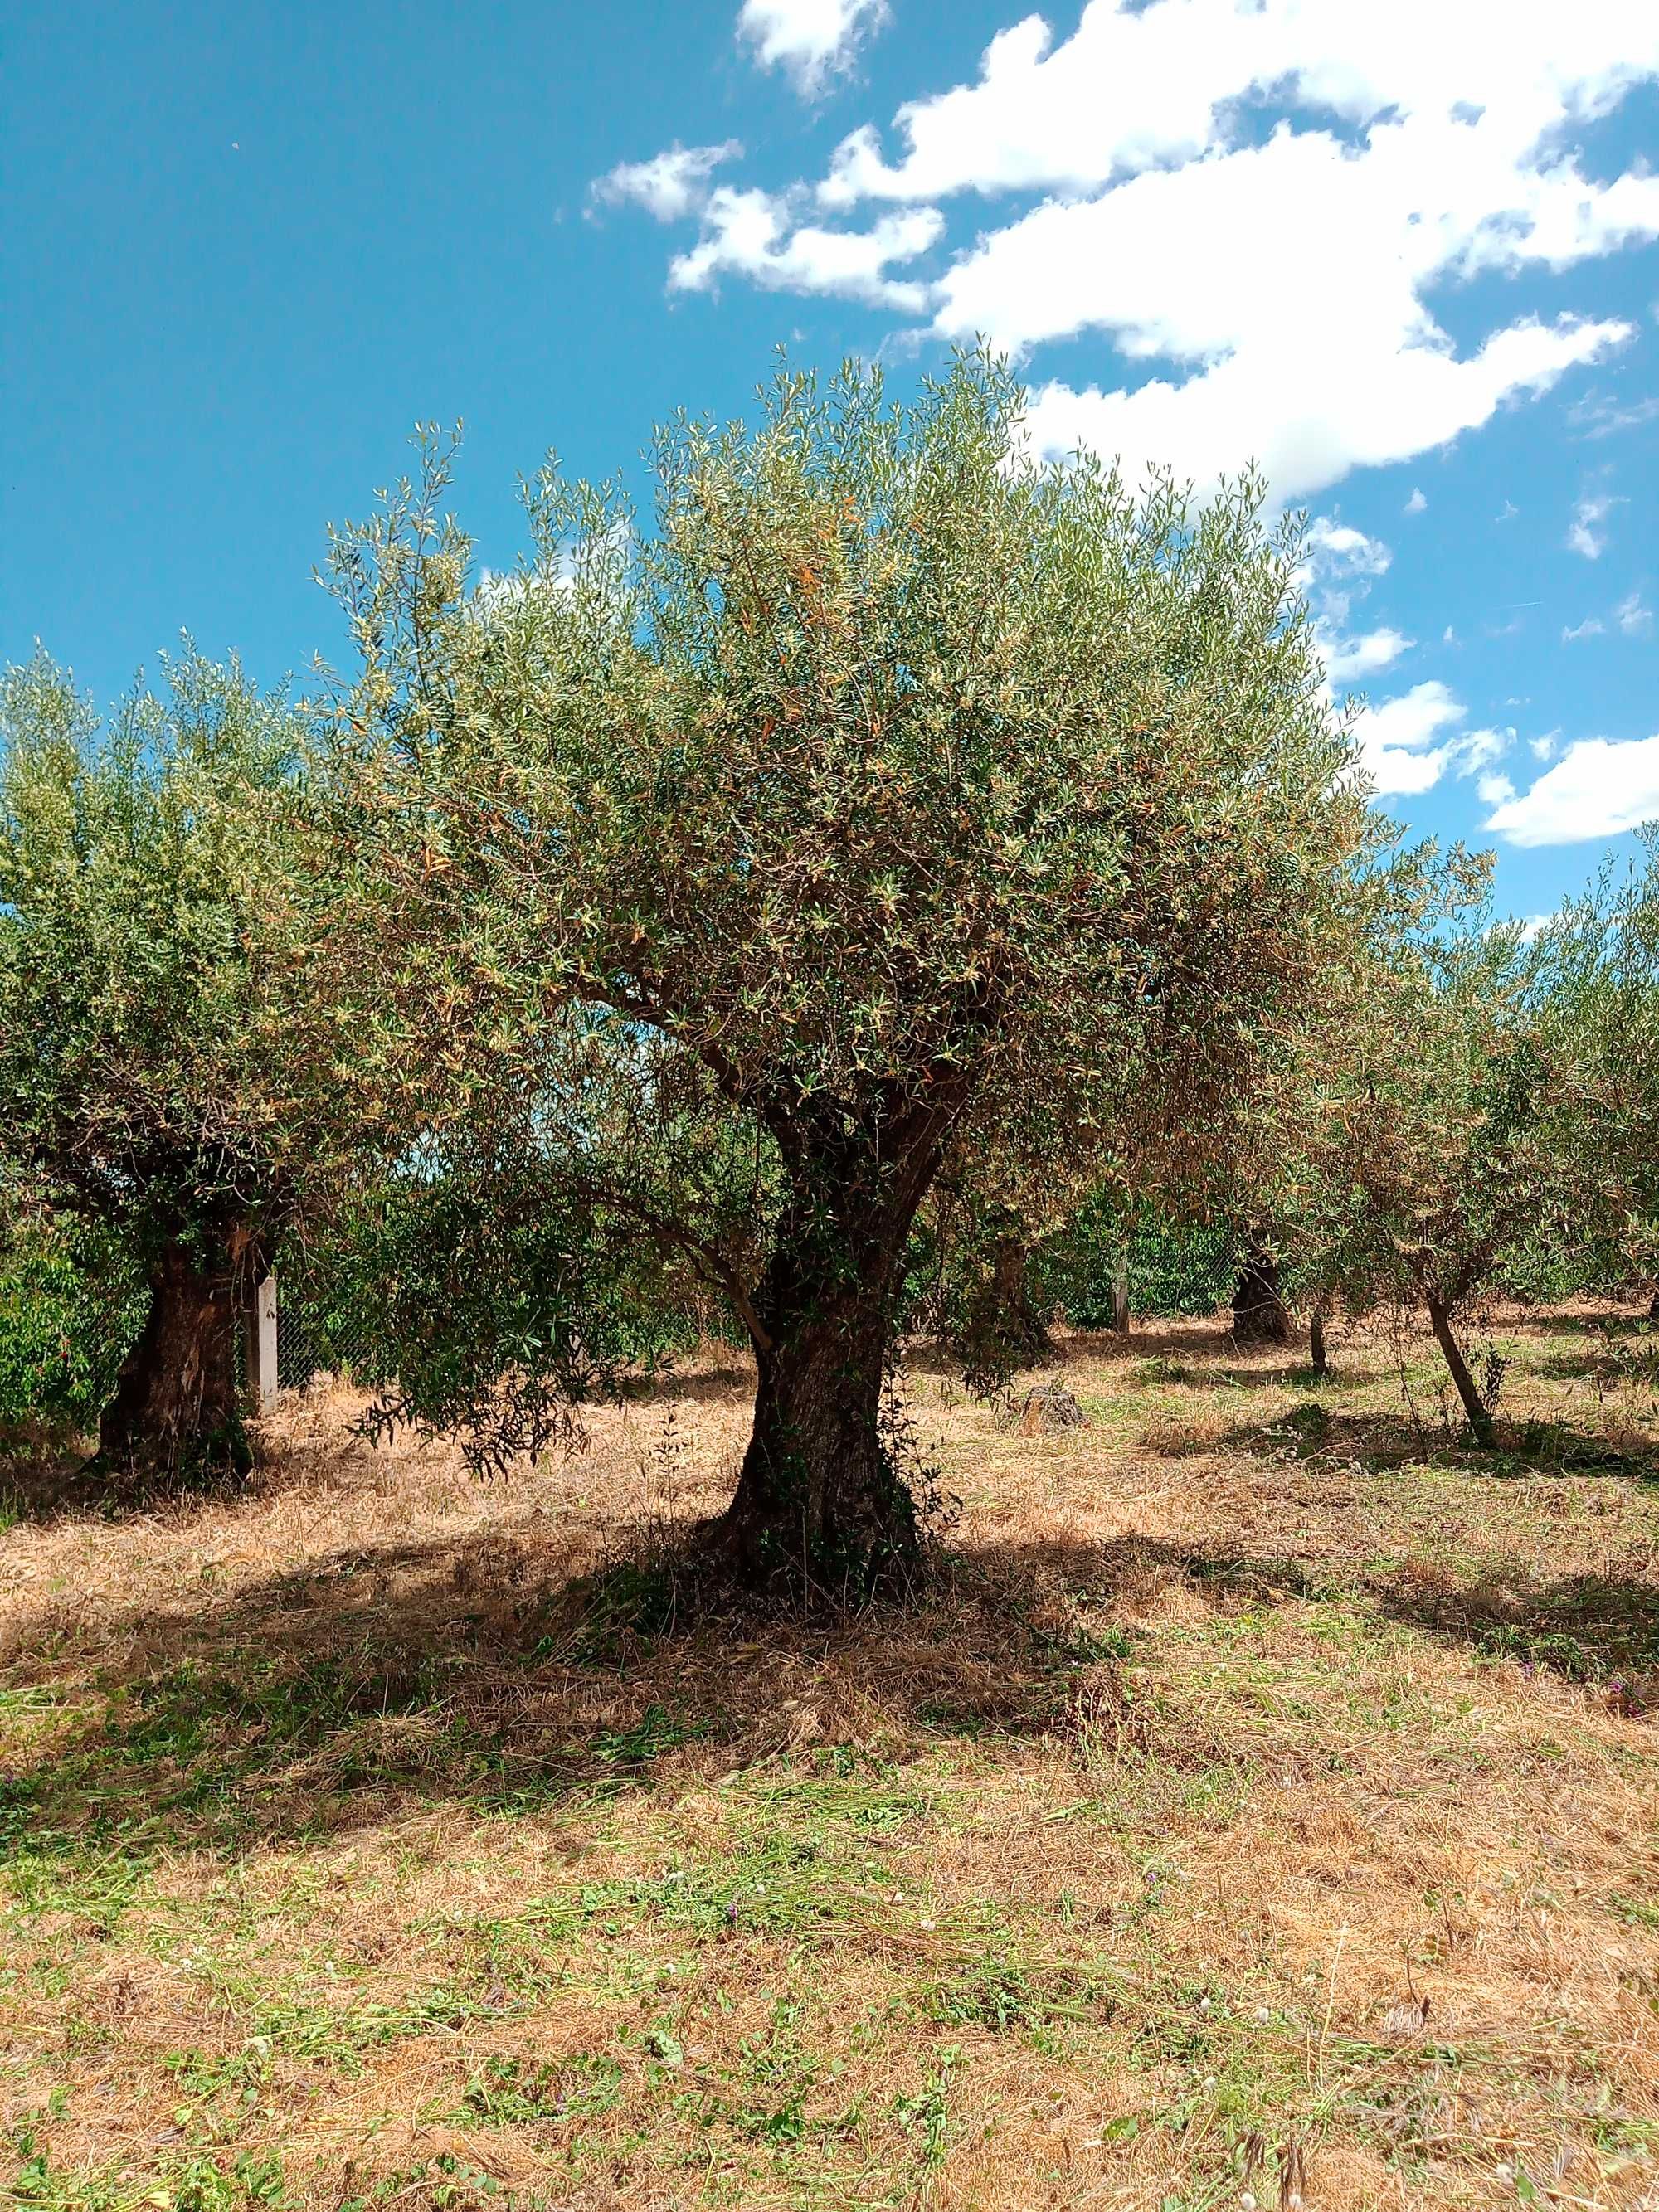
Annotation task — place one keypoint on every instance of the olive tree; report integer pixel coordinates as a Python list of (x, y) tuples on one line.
[(146, 1082), (1482, 1099), (907, 794)]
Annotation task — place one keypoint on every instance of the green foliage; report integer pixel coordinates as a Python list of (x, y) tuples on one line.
[(888, 800), (511, 2093), (1175, 1266), (849, 767), (1477, 1118), (143, 933), (472, 1265), (70, 1302), (169, 1072)]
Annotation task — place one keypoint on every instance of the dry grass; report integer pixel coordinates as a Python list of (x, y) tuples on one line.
[(1266, 1785)]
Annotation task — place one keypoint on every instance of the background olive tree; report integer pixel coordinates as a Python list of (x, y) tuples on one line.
[(150, 940), (1477, 1120)]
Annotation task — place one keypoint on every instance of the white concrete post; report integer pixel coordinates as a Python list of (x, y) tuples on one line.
[(260, 1345)]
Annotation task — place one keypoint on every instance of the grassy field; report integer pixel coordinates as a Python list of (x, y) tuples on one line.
[(1263, 1808)]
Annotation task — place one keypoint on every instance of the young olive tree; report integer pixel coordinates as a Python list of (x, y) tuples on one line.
[(1489, 1105), (907, 794), (145, 932), (1603, 951)]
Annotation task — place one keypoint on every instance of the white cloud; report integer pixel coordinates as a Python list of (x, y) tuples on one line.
[(1586, 533), (671, 184), (1631, 617), (1397, 741), (1337, 548), (1348, 659), (1493, 790), (1415, 504), (747, 234), (1276, 278), (812, 39), (1597, 416), (1315, 410), (1478, 747), (1407, 744), (1340, 564), (1136, 88), (1170, 236), (1598, 787)]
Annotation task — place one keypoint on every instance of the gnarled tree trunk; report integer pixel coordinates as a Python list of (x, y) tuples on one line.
[(175, 1406), (1258, 1312), (1318, 1351), (820, 1505)]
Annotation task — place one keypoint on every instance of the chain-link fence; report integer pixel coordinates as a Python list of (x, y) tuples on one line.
[(310, 1342)]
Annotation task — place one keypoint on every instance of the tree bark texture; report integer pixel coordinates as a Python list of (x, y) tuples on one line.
[(821, 1506), (818, 1506), (175, 1406), (1258, 1312), (1318, 1353), (1018, 1318)]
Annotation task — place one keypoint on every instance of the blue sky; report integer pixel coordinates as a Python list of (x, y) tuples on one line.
[(1408, 255)]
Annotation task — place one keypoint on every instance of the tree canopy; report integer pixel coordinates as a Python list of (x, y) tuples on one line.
[(147, 939), (885, 796)]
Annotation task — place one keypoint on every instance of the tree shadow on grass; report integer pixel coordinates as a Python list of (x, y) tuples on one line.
[(1282, 1372), (1590, 1628), (729, 1382), (505, 1671), (1382, 1442), (378, 1681), (56, 1479), (1578, 1321), (47, 1476)]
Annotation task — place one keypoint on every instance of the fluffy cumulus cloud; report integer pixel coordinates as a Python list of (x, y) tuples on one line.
[(1139, 87), (1351, 660), (751, 234), (671, 184), (1268, 285), (1407, 744), (1310, 419), (1597, 788), (812, 39)]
